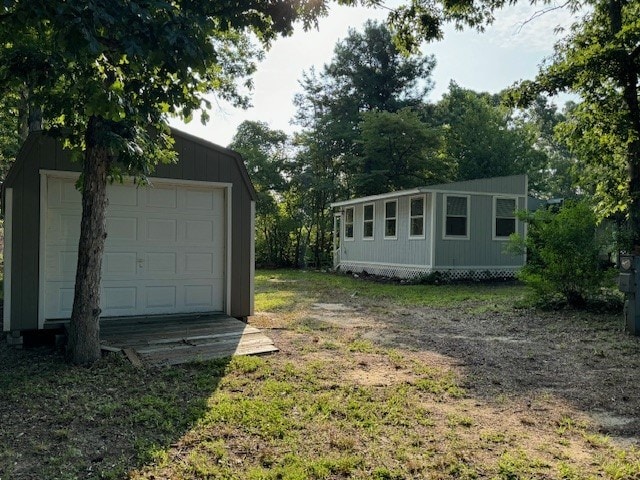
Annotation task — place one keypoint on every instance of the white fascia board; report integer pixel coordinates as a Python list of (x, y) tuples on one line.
[(373, 198)]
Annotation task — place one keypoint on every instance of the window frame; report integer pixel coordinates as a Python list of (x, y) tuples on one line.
[(372, 220), (424, 217), (494, 236), (394, 218), (467, 234), (345, 237)]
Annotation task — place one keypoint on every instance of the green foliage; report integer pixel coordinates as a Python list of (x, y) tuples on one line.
[(398, 151), (481, 138), (563, 250), (367, 73), (266, 153), (599, 59)]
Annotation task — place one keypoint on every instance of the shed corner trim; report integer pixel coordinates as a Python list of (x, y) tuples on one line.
[(8, 224)]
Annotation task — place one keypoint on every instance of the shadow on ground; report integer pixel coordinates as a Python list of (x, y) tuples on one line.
[(62, 421)]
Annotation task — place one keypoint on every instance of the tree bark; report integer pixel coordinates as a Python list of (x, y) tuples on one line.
[(628, 80), (84, 329)]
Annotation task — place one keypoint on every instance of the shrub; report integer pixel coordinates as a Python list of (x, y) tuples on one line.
[(563, 253)]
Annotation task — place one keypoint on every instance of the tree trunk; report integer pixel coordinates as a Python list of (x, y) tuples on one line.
[(84, 329), (628, 81)]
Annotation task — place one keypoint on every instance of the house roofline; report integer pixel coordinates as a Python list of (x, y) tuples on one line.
[(439, 188), (373, 198)]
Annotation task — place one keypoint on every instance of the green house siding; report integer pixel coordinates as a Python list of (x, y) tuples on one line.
[(198, 161), (480, 249)]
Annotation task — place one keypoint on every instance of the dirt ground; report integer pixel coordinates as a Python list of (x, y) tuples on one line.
[(522, 372), (583, 360)]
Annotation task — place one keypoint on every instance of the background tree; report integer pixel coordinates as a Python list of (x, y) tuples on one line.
[(266, 154), (600, 60), (559, 175), (399, 151), (367, 73), (108, 74), (482, 137)]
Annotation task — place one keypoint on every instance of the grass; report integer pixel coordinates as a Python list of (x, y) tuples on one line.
[(333, 404), (282, 290)]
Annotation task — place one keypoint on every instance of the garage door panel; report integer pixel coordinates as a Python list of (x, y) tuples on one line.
[(164, 253), (161, 230), (59, 300), (198, 263), (198, 295), (62, 229), (199, 200), (62, 264), (199, 231), (122, 195), (161, 263), (69, 194), (119, 298), (122, 229), (160, 297), (119, 264), (164, 197)]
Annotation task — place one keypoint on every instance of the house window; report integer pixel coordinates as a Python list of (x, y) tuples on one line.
[(367, 221), (416, 217), (456, 216), (504, 218), (348, 223), (390, 219)]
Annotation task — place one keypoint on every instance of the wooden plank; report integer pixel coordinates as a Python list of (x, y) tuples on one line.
[(226, 347), (133, 357), (107, 348), (167, 339), (175, 340), (146, 329), (167, 332)]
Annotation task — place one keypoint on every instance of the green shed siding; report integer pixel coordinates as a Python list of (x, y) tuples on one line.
[(198, 160)]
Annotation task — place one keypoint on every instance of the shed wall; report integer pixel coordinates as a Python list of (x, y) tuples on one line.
[(196, 162)]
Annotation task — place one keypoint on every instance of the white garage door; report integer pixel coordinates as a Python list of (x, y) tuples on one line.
[(165, 249)]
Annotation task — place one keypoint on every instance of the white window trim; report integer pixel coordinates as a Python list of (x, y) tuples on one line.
[(390, 237), (424, 217), (353, 225), (373, 222), (495, 218), (444, 218)]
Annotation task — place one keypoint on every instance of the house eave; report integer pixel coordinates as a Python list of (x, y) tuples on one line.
[(382, 196)]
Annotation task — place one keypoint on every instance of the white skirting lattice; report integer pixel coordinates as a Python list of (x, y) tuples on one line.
[(412, 272)]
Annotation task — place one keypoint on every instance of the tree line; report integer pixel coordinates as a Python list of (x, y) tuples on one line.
[(367, 127)]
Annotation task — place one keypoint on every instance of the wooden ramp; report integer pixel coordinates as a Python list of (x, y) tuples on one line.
[(181, 339)]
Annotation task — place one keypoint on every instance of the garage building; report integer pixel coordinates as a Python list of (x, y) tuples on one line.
[(182, 245)]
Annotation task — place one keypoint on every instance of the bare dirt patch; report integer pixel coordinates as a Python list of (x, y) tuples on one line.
[(582, 361)]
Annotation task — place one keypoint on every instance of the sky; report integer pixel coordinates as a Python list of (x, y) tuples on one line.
[(508, 51)]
